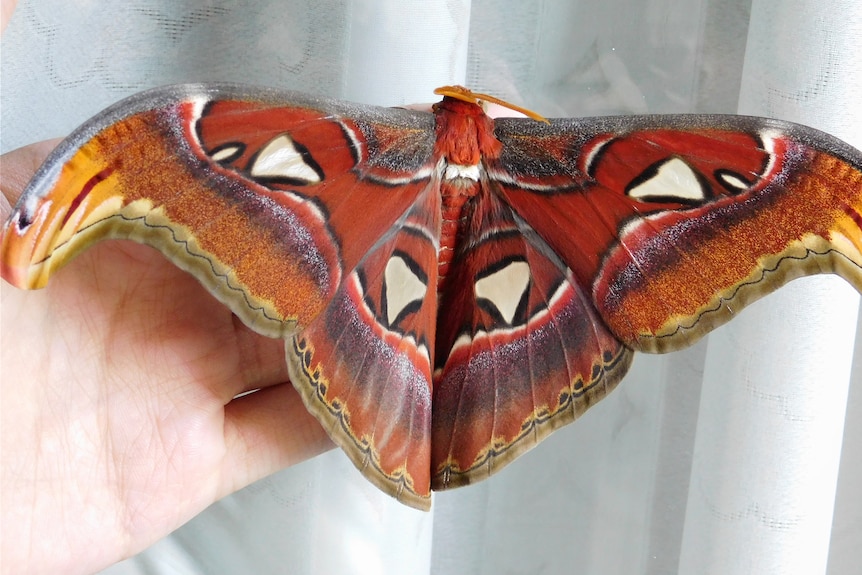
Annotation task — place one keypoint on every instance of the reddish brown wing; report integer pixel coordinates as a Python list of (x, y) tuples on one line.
[(675, 223), (626, 233), (363, 365), (311, 219), (521, 349)]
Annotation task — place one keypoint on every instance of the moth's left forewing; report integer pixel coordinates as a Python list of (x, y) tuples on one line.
[(255, 192), (676, 222), (142, 170)]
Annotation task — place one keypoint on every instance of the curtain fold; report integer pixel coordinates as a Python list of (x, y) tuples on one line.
[(723, 458), (776, 379)]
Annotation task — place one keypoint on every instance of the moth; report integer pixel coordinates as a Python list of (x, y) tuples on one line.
[(450, 288)]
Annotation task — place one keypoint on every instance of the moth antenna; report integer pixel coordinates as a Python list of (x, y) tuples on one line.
[(467, 95)]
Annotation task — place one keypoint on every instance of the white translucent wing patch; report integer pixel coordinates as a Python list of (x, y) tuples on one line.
[(281, 158), (403, 288), (673, 180), (505, 288), (225, 153), (734, 181)]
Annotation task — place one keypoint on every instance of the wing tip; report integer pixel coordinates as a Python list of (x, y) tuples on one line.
[(16, 262)]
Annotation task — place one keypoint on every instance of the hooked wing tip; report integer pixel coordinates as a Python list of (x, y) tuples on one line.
[(15, 261)]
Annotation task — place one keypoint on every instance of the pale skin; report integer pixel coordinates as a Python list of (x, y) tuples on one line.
[(118, 421)]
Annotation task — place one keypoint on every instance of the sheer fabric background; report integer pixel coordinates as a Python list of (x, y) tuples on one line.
[(725, 458)]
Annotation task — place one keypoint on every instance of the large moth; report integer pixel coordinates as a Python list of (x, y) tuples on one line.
[(450, 288)]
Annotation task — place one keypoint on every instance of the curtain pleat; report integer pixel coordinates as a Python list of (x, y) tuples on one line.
[(776, 379)]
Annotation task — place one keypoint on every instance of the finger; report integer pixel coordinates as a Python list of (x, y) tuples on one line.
[(18, 166), (261, 359), (266, 431), (6, 9)]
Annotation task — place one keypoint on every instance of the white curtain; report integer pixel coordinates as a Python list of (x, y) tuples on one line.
[(734, 456)]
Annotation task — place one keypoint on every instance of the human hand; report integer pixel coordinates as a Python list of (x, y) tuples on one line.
[(119, 420)]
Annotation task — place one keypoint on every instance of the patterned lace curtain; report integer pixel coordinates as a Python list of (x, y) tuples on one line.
[(734, 456)]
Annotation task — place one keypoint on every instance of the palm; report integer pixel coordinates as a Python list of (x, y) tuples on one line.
[(117, 388)]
